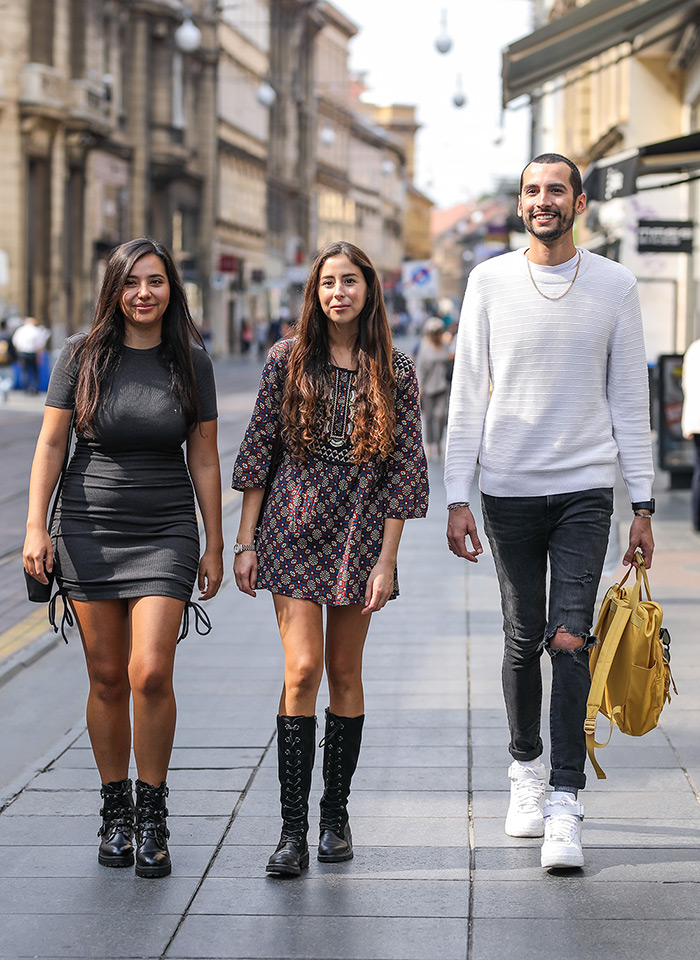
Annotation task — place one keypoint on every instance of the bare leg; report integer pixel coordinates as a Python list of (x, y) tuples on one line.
[(104, 630), (346, 632), (155, 624), (301, 628)]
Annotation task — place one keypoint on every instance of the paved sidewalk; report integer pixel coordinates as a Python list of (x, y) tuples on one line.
[(434, 875)]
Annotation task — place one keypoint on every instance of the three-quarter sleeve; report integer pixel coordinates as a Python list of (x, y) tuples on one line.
[(405, 486), (255, 453)]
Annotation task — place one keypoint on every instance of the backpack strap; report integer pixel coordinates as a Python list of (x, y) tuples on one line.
[(600, 676)]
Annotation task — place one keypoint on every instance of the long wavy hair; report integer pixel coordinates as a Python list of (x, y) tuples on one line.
[(308, 381), (100, 350)]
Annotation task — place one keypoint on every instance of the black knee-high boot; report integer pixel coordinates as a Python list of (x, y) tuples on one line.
[(152, 854), (117, 830), (296, 747), (341, 745)]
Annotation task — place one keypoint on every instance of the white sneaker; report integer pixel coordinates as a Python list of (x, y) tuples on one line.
[(527, 789), (562, 833)]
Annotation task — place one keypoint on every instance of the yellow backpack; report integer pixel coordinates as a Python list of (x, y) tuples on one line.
[(630, 667)]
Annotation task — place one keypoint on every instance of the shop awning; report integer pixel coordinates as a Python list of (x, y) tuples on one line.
[(578, 36), (619, 175)]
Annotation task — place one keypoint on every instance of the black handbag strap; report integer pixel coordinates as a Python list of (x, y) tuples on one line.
[(59, 485)]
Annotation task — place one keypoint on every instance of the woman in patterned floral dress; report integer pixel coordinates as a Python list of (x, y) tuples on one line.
[(351, 471)]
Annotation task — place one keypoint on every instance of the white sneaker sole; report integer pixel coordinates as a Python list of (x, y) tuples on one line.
[(533, 830), (561, 860)]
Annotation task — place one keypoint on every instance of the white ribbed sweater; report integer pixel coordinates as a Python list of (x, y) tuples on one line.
[(569, 382)]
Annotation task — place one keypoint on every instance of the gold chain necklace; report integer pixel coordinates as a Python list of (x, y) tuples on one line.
[(529, 270)]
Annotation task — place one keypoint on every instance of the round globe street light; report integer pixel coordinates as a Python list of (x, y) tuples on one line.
[(443, 43), (327, 135), (266, 94), (459, 98), (188, 36)]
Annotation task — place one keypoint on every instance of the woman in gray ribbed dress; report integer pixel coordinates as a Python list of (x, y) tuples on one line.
[(125, 543)]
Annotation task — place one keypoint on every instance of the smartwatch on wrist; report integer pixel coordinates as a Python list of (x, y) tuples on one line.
[(649, 505)]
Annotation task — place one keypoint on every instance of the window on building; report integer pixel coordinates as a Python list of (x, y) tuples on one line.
[(78, 19), (41, 20)]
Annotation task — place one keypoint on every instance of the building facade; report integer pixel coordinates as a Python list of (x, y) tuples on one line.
[(617, 88), (107, 133)]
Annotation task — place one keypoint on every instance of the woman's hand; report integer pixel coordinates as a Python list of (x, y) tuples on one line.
[(380, 586), (211, 573), (37, 553), (245, 570)]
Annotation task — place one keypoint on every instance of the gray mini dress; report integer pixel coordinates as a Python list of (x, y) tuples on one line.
[(126, 524)]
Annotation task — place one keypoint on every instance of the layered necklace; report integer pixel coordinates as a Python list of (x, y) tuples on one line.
[(561, 295)]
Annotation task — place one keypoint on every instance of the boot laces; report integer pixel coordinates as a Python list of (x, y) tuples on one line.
[(151, 814), (293, 806)]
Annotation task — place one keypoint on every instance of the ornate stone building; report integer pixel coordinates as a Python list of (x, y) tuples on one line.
[(107, 132)]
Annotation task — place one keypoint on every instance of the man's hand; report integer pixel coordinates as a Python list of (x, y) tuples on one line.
[(641, 538), (460, 525)]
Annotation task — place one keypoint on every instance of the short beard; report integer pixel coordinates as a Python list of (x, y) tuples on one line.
[(551, 233)]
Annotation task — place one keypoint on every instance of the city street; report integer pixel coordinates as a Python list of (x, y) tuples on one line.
[(434, 875)]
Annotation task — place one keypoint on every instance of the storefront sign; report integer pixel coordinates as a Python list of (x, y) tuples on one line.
[(665, 236)]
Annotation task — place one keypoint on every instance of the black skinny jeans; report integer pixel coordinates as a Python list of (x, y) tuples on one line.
[(570, 531)]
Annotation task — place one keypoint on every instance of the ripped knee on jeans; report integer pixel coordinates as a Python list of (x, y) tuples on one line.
[(562, 640)]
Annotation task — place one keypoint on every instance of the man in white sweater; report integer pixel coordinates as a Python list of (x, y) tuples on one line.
[(549, 393)]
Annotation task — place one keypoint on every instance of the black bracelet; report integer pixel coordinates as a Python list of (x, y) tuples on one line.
[(647, 516)]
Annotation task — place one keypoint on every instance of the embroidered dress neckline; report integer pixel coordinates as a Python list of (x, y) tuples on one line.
[(335, 366)]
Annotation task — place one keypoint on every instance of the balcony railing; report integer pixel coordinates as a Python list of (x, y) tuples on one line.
[(42, 86)]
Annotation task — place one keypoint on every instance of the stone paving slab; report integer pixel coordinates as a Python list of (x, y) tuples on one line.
[(141, 935), (604, 864), (115, 895), (310, 938), (402, 831), (618, 939), (576, 896), (331, 895), (378, 863)]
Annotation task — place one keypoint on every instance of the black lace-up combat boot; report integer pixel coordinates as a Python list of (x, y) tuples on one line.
[(295, 758), (341, 748), (117, 830), (152, 855)]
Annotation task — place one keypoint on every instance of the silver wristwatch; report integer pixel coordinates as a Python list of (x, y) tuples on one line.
[(242, 547)]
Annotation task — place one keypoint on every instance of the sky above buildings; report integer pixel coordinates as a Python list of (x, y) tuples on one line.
[(460, 152)]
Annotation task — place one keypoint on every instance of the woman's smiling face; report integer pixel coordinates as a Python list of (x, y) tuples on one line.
[(342, 290), (146, 293)]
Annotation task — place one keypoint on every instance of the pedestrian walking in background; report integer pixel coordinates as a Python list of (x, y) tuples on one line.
[(29, 340), (125, 538), (351, 471), (8, 355), (433, 366), (690, 420), (549, 392)]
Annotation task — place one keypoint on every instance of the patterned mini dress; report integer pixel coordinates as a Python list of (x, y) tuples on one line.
[(322, 530)]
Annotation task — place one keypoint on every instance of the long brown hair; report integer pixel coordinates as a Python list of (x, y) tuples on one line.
[(308, 380), (101, 349)]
